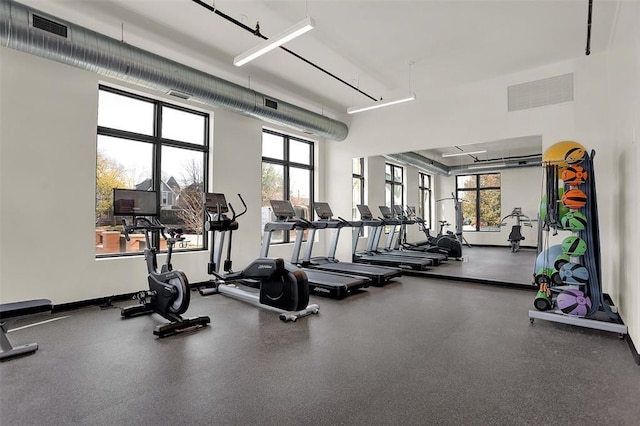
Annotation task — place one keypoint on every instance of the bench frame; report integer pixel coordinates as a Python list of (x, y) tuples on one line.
[(12, 312)]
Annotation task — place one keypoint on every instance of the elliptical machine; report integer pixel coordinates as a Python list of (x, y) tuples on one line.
[(458, 235), (515, 236), (447, 243), (168, 294), (281, 286)]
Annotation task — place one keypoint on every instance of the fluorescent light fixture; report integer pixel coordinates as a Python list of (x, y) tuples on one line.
[(457, 154), (487, 166), (298, 29), (380, 104)]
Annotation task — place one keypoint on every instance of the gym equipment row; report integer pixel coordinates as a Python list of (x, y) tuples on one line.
[(381, 256), (379, 275), (412, 257), (327, 275)]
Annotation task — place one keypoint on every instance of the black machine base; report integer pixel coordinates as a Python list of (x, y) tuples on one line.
[(183, 326), (177, 324)]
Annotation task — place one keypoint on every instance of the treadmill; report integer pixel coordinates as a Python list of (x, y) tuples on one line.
[(321, 283), (371, 254), (379, 275)]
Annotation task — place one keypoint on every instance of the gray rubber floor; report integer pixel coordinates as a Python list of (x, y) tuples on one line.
[(497, 265), (417, 351)]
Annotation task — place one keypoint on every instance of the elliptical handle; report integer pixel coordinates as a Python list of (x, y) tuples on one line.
[(244, 205), (233, 211)]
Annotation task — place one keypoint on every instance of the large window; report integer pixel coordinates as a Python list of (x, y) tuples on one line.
[(394, 185), (150, 145), (424, 198), (480, 196), (287, 174)]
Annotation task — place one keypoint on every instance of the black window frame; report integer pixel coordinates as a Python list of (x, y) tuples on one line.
[(287, 164), (390, 203), (158, 142), (360, 178), (425, 205)]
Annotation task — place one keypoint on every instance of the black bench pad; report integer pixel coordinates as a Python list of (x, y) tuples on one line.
[(28, 307)]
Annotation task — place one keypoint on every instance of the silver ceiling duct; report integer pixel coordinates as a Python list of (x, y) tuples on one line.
[(428, 165), (31, 31), (420, 162), (496, 165)]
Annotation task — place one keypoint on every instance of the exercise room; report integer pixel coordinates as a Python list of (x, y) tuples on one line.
[(357, 212)]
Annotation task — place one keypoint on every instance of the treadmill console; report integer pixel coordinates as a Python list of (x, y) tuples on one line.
[(323, 211), (282, 209), (365, 212), (398, 211), (386, 212)]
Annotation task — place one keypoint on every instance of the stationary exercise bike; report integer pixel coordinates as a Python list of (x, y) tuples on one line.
[(269, 283), (515, 236), (168, 294)]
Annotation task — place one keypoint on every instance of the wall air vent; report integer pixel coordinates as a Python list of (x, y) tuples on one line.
[(48, 25), (548, 91), (270, 103), (178, 94)]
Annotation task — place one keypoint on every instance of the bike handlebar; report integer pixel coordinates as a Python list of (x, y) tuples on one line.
[(143, 223)]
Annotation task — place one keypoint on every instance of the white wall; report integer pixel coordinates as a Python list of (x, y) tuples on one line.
[(47, 181), (622, 99), (47, 178), (48, 140), (603, 117)]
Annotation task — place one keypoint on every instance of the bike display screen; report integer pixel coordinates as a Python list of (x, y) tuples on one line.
[(134, 202)]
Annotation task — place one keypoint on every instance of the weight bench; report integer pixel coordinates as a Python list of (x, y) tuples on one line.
[(11, 312)]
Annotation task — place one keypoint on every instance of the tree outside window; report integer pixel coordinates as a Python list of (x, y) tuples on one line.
[(149, 145), (481, 203)]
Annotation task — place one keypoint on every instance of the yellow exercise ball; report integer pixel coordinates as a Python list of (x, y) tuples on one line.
[(564, 153)]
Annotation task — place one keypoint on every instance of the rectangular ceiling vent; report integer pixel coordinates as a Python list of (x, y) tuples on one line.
[(548, 91), (49, 26), (270, 103), (178, 94)]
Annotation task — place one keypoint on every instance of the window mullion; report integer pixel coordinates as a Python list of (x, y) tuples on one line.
[(157, 164)]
